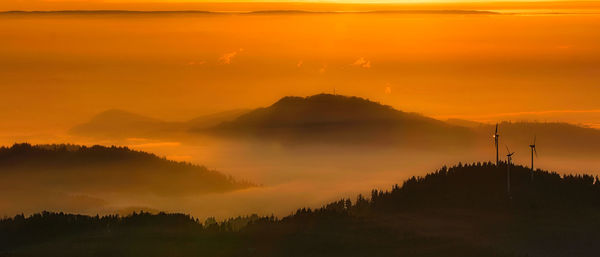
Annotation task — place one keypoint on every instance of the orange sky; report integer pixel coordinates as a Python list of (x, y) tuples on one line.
[(59, 70)]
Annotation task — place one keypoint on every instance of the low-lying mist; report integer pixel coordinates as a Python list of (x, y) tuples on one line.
[(289, 177)]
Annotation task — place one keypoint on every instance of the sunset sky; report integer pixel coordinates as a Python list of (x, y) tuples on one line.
[(522, 64), (535, 61)]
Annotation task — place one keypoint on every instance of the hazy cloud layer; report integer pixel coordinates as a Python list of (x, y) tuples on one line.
[(228, 57), (361, 62)]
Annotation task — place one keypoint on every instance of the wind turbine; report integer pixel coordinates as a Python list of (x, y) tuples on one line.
[(496, 136), (533, 150), (509, 158)]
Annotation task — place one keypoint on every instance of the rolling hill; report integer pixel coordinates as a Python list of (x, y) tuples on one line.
[(327, 119), (74, 177), (462, 210), (553, 138), (335, 119), (119, 124), (341, 120)]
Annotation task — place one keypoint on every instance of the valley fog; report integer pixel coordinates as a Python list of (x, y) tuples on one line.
[(290, 177), (309, 176)]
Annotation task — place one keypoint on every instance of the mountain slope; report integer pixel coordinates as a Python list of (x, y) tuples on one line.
[(456, 211), (119, 124), (553, 138), (339, 119), (213, 119), (80, 178)]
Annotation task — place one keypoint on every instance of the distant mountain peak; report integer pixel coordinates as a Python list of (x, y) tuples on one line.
[(324, 98), (339, 119), (326, 108)]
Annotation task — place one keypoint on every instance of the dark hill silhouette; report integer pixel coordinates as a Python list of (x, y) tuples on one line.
[(341, 120), (335, 119), (122, 124), (465, 123), (214, 119), (557, 138), (327, 118), (99, 169), (554, 138), (456, 211), (119, 124), (484, 186)]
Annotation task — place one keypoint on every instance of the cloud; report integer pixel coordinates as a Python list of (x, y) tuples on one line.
[(300, 63), (226, 58), (362, 62)]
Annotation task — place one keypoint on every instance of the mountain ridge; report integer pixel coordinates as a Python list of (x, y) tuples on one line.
[(328, 119), (55, 172), (121, 124), (461, 210)]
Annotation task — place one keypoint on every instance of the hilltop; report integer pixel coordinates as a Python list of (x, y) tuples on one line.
[(75, 177), (336, 119), (455, 211)]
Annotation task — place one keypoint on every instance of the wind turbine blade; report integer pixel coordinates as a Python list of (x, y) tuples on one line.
[(535, 151), (507, 150), (496, 129), (534, 137)]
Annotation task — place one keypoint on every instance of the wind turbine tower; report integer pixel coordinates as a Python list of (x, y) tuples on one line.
[(496, 136), (533, 150), (509, 158)]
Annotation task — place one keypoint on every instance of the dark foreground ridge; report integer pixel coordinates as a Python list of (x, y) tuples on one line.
[(458, 211)]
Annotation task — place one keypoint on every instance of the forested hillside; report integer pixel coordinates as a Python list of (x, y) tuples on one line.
[(462, 210)]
